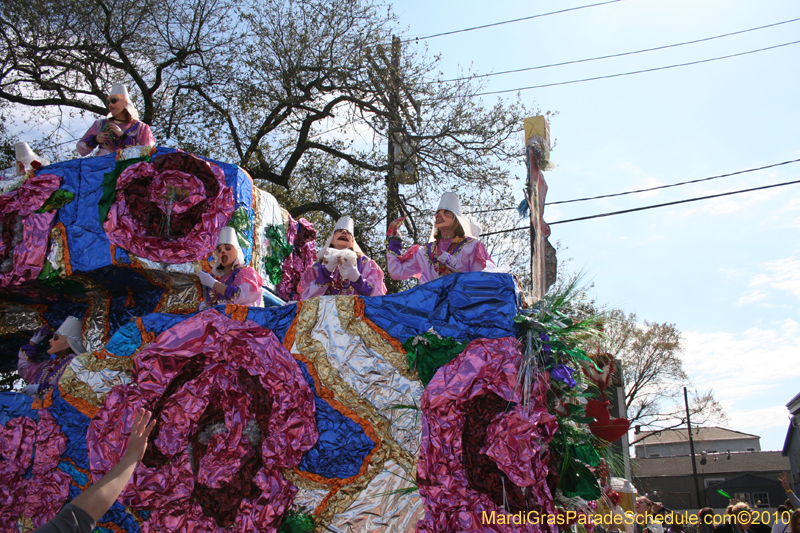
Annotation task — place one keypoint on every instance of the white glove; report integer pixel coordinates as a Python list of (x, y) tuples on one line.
[(331, 261), (349, 256), (447, 259), (30, 390), (206, 279), (38, 336), (349, 272)]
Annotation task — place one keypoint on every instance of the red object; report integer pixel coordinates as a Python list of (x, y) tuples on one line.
[(607, 365), (603, 426)]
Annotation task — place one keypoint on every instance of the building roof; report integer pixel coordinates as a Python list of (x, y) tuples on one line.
[(794, 404), (673, 436), (717, 463)]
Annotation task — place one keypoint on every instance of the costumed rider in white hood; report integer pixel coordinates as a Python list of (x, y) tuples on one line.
[(238, 284), (27, 159), (121, 128), (44, 373), (342, 268), (453, 247)]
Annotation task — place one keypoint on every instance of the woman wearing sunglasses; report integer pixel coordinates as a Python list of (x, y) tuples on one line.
[(43, 372), (121, 128)]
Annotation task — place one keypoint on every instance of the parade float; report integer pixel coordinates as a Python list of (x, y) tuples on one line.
[(447, 407)]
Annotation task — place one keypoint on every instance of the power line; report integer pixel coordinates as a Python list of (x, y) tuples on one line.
[(645, 190), (672, 185), (675, 203), (601, 215), (614, 55), (636, 71), (509, 21)]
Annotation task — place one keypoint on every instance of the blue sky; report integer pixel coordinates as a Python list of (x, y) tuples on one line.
[(725, 271)]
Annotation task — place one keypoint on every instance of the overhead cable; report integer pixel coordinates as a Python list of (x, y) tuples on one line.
[(650, 206), (615, 55), (508, 21), (644, 190), (671, 185), (635, 71)]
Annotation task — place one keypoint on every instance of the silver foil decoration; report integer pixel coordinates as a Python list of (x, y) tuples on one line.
[(371, 376), (385, 505)]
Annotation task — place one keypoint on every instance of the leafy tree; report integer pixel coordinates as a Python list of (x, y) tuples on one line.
[(305, 96), (650, 357)]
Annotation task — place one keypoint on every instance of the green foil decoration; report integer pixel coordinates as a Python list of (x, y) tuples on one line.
[(57, 200), (240, 221), (280, 250), (297, 523), (428, 352)]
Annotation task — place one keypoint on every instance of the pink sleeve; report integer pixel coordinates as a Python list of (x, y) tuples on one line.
[(249, 283), (145, 136), (308, 288), (27, 369), (373, 274), (88, 142), (480, 258), (404, 266)]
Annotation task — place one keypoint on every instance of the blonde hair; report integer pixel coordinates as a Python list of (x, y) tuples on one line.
[(126, 114)]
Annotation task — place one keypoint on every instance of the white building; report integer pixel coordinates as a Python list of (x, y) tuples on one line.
[(712, 440)]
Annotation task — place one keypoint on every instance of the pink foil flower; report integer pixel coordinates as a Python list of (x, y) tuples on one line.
[(479, 445), (170, 210), (26, 444), (233, 410)]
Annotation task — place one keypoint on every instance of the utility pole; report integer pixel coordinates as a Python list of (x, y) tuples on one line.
[(392, 188), (691, 447)]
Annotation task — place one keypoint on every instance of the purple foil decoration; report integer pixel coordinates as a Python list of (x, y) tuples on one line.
[(25, 444), (563, 373), (517, 441), (22, 255), (185, 194), (487, 368), (302, 236), (233, 410)]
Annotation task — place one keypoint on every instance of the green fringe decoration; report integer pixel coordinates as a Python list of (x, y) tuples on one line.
[(273, 264), (240, 221), (554, 333), (429, 351)]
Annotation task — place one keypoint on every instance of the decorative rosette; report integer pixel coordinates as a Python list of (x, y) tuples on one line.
[(27, 446), (481, 447), (23, 232), (233, 410), (170, 210)]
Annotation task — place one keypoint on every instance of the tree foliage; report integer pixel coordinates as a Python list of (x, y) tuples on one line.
[(305, 96), (652, 368)]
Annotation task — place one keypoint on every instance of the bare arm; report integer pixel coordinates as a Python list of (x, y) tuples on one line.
[(99, 498), (784, 478)]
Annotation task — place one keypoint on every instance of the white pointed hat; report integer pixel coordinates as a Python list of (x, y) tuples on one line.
[(121, 90), (72, 329), (26, 156), (450, 202), (227, 235), (346, 223)]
